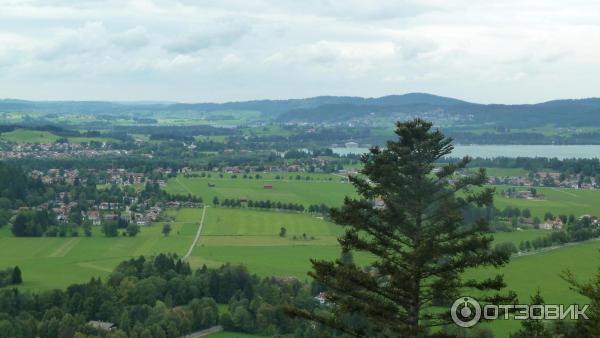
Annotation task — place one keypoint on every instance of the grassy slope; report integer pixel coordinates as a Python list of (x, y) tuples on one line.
[(243, 236), (35, 136), (57, 262), (525, 275), (29, 136), (557, 201), (506, 172), (252, 237), (305, 192)]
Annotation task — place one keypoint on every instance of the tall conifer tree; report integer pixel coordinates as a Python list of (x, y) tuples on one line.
[(417, 241)]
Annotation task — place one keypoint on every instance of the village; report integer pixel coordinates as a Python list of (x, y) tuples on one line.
[(55, 150), (547, 179)]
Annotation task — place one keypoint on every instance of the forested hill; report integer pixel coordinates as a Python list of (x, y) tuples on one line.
[(583, 112), (332, 109)]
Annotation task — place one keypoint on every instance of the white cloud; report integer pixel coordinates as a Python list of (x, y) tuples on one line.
[(508, 51)]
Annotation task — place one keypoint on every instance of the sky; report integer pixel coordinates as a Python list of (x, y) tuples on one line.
[(509, 51)]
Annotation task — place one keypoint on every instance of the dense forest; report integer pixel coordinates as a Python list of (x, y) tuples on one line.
[(159, 297)]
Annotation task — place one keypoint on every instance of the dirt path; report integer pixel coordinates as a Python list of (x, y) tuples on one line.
[(189, 252)]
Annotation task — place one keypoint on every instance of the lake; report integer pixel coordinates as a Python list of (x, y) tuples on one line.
[(491, 151)]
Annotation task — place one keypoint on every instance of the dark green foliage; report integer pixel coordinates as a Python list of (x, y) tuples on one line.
[(16, 277), (156, 297), (166, 229), (32, 223), (132, 230), (533, 328), (19, 189), (110, 229), (420, 242), (10, 276), (591, 290)]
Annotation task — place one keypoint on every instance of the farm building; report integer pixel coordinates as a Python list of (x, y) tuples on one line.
[(94, 217), (552, 224), (268, 186)]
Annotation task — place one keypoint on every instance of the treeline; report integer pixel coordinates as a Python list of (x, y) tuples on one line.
[(578, 231), (18, 189), (10, 276), (34, 223), (268, 204), (575, 231), (159, 297)]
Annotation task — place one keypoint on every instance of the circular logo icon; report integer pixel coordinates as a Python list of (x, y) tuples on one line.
[(465, 312)]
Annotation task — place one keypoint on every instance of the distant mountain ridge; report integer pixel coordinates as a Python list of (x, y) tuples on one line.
[(572, 112)]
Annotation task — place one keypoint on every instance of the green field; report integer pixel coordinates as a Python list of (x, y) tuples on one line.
[(29, 136), (557, 201), (57, 262), (37, 136), (318, 190), (541, 271), (516, 237), (251, 237), (506, 172)]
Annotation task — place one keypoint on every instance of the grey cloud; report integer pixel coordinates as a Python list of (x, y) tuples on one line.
[(133, 38), (283, 48), (210, 35)]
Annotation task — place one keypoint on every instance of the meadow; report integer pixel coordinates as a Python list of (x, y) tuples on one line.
[(20, 136), (321, 188), (57, 262), (251, 237), (506, 172), (29, 136), (558, 201)]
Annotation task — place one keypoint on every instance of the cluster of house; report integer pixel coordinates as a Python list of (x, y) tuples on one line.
[(557, 223), (56, 151), (513, 180), (543, 179), (124, 177), (348, 172), (528, 194), (52, 176), (552, 224), (108, 211), (140, 218)]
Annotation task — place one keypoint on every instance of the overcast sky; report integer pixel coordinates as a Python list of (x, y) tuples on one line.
[(508, 51)]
